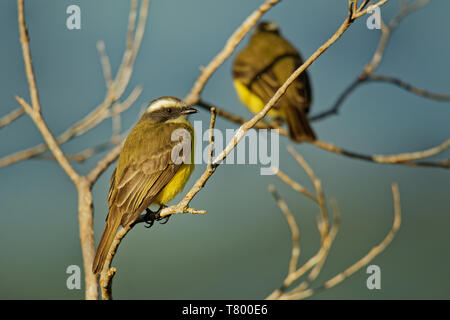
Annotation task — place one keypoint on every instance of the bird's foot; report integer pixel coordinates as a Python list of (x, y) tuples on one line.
[(149, 218), (152, 216), (158, 217)]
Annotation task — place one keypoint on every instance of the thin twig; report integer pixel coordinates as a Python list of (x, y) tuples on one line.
[(375, 251), (327, 237), (87, 153), (240, 120), (211, 138), (104, 163), (82, 183), (359, 14), (408, 87), (295, 185), (406, 159), (315, 271), (113, 94), (369, 69), (319, 192), (295, 232), (194, 95), (10, 117), (313, 261), (108, 272), (25, 43), (104, 61)]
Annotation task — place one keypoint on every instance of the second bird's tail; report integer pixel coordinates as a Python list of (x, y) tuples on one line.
[(299, 128)]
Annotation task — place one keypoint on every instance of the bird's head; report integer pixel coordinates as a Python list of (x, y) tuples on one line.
[(268, 26), (167, 108)]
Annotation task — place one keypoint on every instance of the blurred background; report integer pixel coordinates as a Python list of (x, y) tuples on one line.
[(240, 249)]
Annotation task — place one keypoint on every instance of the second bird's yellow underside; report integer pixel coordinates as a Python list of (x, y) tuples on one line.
[(252, 101)]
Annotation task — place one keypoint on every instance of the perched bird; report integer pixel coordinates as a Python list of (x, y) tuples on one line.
[(262, 67), (153, 167)]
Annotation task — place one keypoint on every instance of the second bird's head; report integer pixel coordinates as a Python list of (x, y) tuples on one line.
[(167, 109), (267, 26)]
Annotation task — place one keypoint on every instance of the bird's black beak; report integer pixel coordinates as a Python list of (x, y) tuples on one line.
[(189, 110)]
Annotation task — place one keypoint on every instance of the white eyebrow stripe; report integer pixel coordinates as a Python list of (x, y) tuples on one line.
[(161, 103)]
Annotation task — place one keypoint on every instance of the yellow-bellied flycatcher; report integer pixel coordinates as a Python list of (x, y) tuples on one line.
[(148, 170)]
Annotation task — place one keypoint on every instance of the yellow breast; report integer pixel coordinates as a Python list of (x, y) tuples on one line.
[(175, 185), (252, 101)]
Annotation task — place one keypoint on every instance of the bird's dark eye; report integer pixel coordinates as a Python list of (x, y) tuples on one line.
[(169, 110)]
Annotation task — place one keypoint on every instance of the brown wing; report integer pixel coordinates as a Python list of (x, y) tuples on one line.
[(265, 64), (144, 168), (134, 186), (143, 189)]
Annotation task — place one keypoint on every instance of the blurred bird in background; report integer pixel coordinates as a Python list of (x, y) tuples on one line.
[(262, 67)]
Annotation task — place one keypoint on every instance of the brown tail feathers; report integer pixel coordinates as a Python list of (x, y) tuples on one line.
[(105, 244), (299, 128)]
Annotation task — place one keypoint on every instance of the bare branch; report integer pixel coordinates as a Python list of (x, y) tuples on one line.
[(313, 261), (327, 237), (406, 159), (295, 232), (336, 106), (295, 185), (113, 94), (363, 5), (87, 153), (315, 271), (211, 138), (108, 272), (10, 117), (82, 183), (239, 120), (375, 251), (369, 69), (35, 114), (318, 185), (408, 87), (194, 96), (104, 61), (104, 163), (365, 11), (24, 41)]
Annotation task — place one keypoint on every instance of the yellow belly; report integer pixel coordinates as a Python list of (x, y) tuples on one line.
[(175, 185), (252, 101)]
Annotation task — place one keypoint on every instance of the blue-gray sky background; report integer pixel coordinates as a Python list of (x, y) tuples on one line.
[(240, 249)]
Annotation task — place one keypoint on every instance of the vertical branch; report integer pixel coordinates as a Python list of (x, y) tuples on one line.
[(104, 61), (24, 41), (324, 224), (211, 138), (84, 184), (108, 272), (86, 230), (84, 193), (295, 232)]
